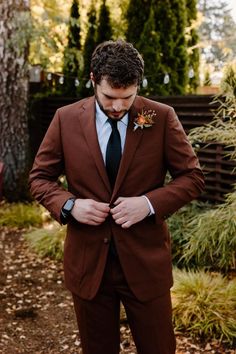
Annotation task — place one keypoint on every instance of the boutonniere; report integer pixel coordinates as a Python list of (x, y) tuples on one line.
[(144, 119)]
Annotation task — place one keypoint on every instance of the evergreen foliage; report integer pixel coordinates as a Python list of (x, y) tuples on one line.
[(149, 46), (72, 52), (192, 40), (104, 30), (170, 24), (161, 26), (89, 46), (137, 15)]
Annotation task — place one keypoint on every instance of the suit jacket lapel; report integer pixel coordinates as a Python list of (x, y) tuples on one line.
[(132, 141), (133, 138), (88, 126)]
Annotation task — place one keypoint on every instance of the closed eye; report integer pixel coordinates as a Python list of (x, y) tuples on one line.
[(114, 98)]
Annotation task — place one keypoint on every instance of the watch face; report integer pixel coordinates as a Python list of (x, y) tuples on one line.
[(69, 205)]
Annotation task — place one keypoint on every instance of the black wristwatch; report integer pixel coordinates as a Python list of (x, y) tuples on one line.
[(66, 210)]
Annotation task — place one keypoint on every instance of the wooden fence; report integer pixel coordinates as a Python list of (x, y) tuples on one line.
[(192, 111)]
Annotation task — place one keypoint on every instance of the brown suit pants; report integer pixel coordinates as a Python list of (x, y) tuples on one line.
[(98, 319)]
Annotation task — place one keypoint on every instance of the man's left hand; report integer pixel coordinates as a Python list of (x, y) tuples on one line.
[(129, 211)]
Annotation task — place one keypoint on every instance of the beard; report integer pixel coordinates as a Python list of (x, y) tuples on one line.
[(109, 113)]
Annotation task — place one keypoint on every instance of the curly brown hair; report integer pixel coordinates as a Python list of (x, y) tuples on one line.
[(118, 62)]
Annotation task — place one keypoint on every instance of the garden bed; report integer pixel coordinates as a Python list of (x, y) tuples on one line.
[(36, 310)]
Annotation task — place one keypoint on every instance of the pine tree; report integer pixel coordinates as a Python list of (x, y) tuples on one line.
[(104, 31), (137, 15), (192, 40), (72, 52), (89, 46), (170, 19), (149, 47)]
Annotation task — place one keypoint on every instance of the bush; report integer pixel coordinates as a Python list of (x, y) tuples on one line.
[(212, 237), (48, 242), (204, 305), (21, 215), (180, 231)]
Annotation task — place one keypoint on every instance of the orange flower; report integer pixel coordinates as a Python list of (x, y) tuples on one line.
[(144, 119), (141, 119)]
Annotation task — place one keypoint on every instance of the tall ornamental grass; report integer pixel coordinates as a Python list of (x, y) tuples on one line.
[(47, 242), (22, 215), (204, 305), (211, 237)]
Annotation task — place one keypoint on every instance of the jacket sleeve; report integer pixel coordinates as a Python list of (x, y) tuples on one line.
[(187, 178), (47, 167)]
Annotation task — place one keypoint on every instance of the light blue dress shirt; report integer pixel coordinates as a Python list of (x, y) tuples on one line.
[(104, 131)]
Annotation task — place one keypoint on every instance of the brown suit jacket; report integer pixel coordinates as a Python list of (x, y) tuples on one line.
[(71, 147)]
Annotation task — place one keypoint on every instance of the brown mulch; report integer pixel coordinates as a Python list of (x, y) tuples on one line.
[(36, 311)]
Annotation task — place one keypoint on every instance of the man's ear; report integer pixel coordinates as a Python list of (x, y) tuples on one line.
[(92, 79)]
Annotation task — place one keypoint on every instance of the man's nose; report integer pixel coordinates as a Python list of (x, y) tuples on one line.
[(117, 105)]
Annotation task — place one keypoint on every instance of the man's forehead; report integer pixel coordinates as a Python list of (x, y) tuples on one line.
[(107, 89)]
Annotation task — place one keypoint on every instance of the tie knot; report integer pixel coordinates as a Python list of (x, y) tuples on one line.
[(113, 123)]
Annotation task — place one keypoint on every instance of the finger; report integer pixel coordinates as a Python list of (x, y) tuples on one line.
[(93, 220), (126, 224), (115, 210), (121, 220), (118, 201), (101, 206), (93, 223), (118, 215), (100, 214)]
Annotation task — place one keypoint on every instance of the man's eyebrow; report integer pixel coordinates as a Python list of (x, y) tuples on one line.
[(123, 98)]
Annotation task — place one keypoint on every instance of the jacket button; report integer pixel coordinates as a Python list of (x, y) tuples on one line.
[(106, 240)]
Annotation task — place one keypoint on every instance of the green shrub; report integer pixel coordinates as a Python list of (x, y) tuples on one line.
[(48, 242), (179, 229), (212, 237), (21, 215), (204, 305)]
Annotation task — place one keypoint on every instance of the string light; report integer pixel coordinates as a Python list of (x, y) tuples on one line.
[(77, 82), (191, 73), (61, 80), (145, 82), (166, 79), (49, 76), (88, 84)]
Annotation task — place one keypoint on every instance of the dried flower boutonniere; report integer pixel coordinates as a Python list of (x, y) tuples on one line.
[(144, 119)]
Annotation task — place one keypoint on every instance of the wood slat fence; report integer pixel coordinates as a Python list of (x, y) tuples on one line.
[(192, 111)]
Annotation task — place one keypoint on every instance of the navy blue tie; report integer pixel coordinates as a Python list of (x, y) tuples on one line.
[(113, 152)]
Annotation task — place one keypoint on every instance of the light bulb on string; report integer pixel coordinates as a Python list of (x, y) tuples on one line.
[(61, 80), (49, 76), (88, 84), (191, 73), (77, 82), (145, 82), (166, 79)]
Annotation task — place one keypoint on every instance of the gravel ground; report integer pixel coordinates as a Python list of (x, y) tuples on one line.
[(36, 311)]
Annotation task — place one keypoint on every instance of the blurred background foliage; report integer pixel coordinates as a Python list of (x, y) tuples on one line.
[(175, 38)]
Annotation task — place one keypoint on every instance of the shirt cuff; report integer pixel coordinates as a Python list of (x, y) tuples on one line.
[(152, 211)]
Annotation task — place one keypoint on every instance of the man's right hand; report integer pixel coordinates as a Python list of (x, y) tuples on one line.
[(90, 212)]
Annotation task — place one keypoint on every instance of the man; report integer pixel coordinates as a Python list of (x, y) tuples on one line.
[(115, 149)]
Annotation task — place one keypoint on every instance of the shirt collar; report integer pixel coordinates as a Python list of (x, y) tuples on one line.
[(102, 118)]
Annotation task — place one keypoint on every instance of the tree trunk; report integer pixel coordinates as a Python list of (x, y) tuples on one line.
[(14, 81)]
